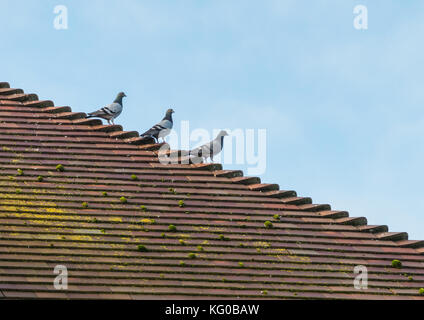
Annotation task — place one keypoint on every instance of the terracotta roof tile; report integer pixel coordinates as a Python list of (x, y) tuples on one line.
[(309, 252)]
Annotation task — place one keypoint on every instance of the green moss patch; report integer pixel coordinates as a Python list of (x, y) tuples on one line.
[(123, 200), (142, 248), (268, 224), (222, 237), (396, 264)]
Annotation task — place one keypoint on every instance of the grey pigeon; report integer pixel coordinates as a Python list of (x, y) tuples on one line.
[(161, 129), (210, 149), (111, 111)]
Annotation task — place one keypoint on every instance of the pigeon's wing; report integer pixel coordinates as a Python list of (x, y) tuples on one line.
[(115, 108), (160, 129), (111, 111), (216, 146)]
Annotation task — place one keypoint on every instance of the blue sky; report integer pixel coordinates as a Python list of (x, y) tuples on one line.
[(343, 108)]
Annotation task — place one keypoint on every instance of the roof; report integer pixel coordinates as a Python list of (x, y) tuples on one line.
[(107, 215)]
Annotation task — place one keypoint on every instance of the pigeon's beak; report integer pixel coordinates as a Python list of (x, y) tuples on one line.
[(125, 95)]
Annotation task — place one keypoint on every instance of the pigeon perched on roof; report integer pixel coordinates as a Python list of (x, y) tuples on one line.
[(210, 149), (111, 111), (161, 129)]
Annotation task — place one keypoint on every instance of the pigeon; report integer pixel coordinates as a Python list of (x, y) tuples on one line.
[(161, 129), (111, 111), (210, 149)]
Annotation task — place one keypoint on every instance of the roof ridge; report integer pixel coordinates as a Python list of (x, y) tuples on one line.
[(380, 232)]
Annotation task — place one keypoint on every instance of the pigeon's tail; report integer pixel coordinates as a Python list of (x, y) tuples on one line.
[(147, 139), (89, 116), (195, 153), (146, 135)]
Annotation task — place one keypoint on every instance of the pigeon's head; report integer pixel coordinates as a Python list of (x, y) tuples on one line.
[(119, 97), (223, 133), (170, 111)]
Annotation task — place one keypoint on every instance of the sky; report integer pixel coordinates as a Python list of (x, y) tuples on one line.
[(342, 107)]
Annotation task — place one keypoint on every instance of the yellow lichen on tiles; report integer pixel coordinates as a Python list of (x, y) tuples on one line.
[(44, 191), (119, 253), (37, 210), (46, 222), (15, 208), (262, 244), (54, 210), (299, 258), (14, 234), (9, 183), (33, 216), (305, 259), (20, 202), (148, 221), (280, 251), (79, 237), (10, 196)]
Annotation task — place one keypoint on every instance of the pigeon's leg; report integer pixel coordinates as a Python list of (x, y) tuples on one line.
[(113, 122), (108, 121)]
